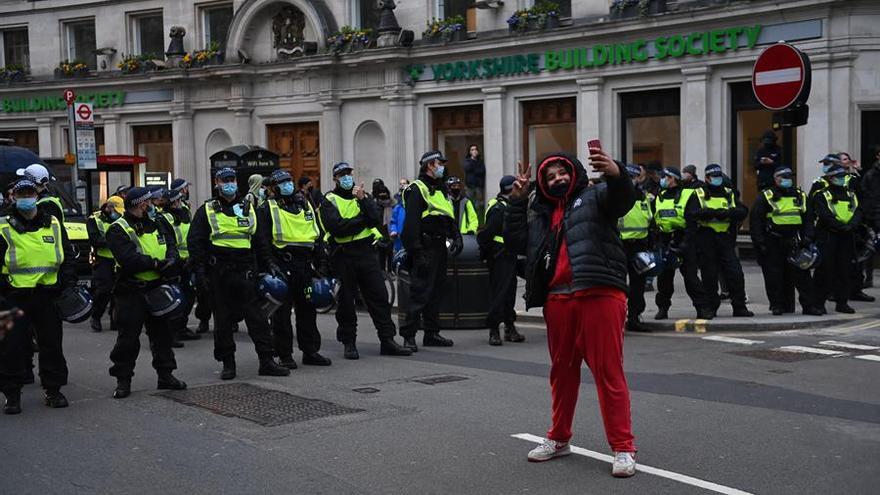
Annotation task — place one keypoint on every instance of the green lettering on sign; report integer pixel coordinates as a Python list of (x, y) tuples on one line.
[(56, 103)]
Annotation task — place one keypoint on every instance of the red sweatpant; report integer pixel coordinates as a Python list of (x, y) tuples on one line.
[(589, 325)]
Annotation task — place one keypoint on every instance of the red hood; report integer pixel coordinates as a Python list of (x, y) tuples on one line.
[(570, 163)]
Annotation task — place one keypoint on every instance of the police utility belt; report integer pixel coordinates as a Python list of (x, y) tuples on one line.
[(433, 238)]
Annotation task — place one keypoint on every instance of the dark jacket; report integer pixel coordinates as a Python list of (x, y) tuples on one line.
[(96, 239), (494, 226), (294, 204), (826, 221), (589, 229), (870, 199), (66, 273), (126, 254), (413, 223), (761, 227), (50, 207), (474, 172), (369, 217), (735, 214), (765, 171), (201, 251)]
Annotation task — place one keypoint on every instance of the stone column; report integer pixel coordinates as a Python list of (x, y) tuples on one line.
[(695, 119), (814, 139), (493, 137), (399, 134), (185, 155), (331, 141), (242, 109), (111, 134), (44, 136), (588, 116)]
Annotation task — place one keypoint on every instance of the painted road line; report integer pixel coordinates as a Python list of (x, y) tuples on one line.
[(733, 340), (681, 478), (869, 357), (811, 350), (847, 345)]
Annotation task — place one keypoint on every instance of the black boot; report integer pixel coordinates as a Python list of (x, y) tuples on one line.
[(167, 381), (55, 399), (391, 348), (203, 326), (705, 314), (268, 367), (861, 296), (287, 361), (123, 388), (29, 375), (777, 311), (495, 336), (228, 372), (844, 308), (315, 359), (635, 325), (95, 323), (742, 312), (813, 311), (187, 334), (350, 351), (410, 343), (13, 402), (434, 339), (511, 335), (662, 314)]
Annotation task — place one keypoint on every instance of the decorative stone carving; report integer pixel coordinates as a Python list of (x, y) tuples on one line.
[(175, 48), (388, 28), (288, 26)]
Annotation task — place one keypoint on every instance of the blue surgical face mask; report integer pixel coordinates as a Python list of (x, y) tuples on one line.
[(716, 181), (229, 189), (114, 216), (262, 194), (786, 183), (26, 204), (346, 182), (664, 183), (826, 167), (151, 212), (838, 180), (286, 188), (438, 172)]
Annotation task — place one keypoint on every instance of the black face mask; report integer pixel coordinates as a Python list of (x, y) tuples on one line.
[(558, 190), (454, 193)]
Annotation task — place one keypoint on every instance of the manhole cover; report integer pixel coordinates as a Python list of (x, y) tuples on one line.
[(260, 405), (780, 356), (434, 380)]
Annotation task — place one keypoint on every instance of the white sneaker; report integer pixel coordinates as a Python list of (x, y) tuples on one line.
[(548, 450), (624, 465)]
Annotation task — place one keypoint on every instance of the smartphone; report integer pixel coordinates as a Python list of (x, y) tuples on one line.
[(594, 143)]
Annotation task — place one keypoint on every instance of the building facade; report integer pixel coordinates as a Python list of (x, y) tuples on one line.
[(671, 86)]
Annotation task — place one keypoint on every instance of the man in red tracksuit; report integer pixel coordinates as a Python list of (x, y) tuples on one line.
[(577, 271)]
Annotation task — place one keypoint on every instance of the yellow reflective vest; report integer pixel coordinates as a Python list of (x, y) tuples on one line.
[(436, 203), (233, 232), (669, 212), (181, 230), (32, 258), (293, 229), (492, 202), (843, 210), (634, 225), (150, 244), (102, 226), (348, 208), (786, 210), (56, 201), (468, 222), (717, 203)]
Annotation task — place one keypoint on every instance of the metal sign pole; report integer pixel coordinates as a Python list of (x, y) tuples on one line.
[(71, 147)]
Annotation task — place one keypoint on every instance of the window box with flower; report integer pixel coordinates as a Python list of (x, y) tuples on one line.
[(348, 40), (445, 30), (209, 56), (75, 68), (12, 73), (544, 15), (624, 9)]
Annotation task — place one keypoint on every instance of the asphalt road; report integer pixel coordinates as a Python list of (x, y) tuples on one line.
[(771, 422)]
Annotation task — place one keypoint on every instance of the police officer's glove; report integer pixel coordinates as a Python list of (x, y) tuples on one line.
[(202, 283), (456, 246), (167, 267), (722, 214)]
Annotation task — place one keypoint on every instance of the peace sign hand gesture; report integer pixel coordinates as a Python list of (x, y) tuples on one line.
[(521, 184)]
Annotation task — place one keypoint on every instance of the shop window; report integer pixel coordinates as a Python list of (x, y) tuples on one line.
[(15, 49), (148, 36), (454, 130), (651, 126), (564, 6), (215, 24), (29, 139), (549, 126), (155, 143), (365, 14), (870, 139), (80, 42)]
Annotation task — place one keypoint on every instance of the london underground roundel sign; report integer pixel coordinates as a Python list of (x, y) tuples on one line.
[(781, 77)]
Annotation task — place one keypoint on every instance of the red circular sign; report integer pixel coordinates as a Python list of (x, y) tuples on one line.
[(69, 96), (780, 77), (84, 112)]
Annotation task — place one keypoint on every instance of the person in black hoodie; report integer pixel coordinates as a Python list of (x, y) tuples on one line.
[(475, 175), (576, 269), (767, 158)]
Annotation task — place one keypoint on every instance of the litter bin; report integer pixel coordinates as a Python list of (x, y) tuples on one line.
[(464, 302)]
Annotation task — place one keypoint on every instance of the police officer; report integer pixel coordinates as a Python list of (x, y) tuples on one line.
[(428, 222), (179, 220), (718, 217), (350, 218), (37, 263), (40, 176), (290, 225), (102, 262), (821, 183), (673, 215), (837, 214), (780, 223), (146, 255), (462, 207), (635, 232), (203, 300), (502, 267), (225, 252)]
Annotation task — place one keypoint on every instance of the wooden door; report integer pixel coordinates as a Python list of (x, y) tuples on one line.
[(298, 147)]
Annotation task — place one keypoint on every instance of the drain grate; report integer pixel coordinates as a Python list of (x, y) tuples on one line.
[(779, 356), (261, 405), (435, 380)]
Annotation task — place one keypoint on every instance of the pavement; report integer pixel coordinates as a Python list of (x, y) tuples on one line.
[(682, 316), (762, 412)]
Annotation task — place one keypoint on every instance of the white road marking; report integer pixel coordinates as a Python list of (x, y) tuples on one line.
[(869, 357), (811, 350), (847, 345), (733, 340), (681, 478), (778, 76)]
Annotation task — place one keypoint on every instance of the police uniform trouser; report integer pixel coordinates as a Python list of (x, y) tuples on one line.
[(717, 255), (203, 303), (427, 277), (102, 285), (833, 275), (356, 267), (41, 317), (502, 280), (781, 277), (692, 284), (179, 319), (132, 315), (235, 297), (308, 339), (635, 302)]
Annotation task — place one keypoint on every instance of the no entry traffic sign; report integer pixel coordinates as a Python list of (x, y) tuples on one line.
[(781, 77)]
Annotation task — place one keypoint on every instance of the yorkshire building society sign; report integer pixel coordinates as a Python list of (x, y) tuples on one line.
[(706, 43), (55, 102)]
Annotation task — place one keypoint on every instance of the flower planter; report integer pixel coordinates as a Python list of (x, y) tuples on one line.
[(459, 35), (654, 7), (434, 40), (552, 22)]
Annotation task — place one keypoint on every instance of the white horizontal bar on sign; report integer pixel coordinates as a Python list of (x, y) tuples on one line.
[(732, 340), (847, 345), (869, 357), (778, 76), (811, 350)]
